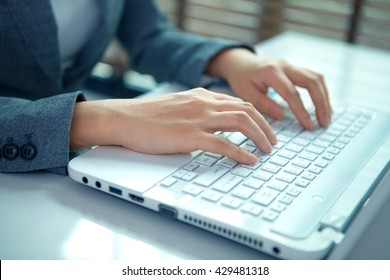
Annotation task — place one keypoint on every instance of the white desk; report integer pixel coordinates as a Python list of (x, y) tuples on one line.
[(47, 216)]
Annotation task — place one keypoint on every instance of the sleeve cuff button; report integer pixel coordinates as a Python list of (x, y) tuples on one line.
[(28, 151), (10, 151)]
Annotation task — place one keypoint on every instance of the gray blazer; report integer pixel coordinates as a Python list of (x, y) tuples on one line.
[(37, 100)]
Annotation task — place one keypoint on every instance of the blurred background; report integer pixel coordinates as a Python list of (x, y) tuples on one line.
[(365, 22), (362, 22)]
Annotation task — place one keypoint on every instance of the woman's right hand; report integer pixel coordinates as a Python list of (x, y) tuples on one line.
[(173, 123)]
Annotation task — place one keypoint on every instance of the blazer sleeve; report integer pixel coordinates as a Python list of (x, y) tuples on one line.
[(159, 49), (34, 135)]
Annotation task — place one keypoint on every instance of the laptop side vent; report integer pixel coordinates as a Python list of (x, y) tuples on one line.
[(220, 230)]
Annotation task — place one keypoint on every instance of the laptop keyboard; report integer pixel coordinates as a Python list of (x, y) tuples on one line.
[(268, 188)]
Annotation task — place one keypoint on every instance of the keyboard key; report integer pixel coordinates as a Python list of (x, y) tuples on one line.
[(277, 185), (350, 134), (292, 169), (278, 126), (253, 183), (343, 123), (237, 138), (253, 166), (285, 177), (344, 140), (304, 163), (231, 202), (286, 199), (321, 163), (206, 160), (308, 155), (213, 155), (278, 207), (241, 171), (210, 176), (179, 173), (263, 175), (263, 159), (191, 166), (212, 196), (327, 137), (227, 162), (293, 191), (308, 176), (248, 148), (192, 189), (270, 215), (287, 154), (265, 196), (252, 209), (227, 183), (243, 192), (294, 147), (339, 145), (301, 141), (315, 149), (283, 138), (279, 145), (279, 161), (334, 132), (315, 169), (321, 143), (292, 130), (271, 168), (168, 182), (303, 183), (309, 135), (189, 176), (250, 143), (328, 156), (333, 150)]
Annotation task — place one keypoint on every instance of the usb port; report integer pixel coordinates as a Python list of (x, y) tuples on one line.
[(115, 190)]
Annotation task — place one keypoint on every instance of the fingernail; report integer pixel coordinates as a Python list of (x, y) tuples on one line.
[(252, 159), (267, 147), (308, 123), (325, 119), (273, 139)]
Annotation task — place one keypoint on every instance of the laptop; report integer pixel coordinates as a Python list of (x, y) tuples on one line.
[(295, 203)]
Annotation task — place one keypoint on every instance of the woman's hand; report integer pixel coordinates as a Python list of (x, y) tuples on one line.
[(173, 123), (250, 76)]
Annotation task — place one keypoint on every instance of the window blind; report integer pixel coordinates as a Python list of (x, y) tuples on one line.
[(365, 22)]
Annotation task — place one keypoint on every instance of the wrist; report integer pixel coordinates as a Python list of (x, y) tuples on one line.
[(225, 62), (90, 125)]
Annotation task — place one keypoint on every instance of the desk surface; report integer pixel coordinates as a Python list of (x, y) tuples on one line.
[(47, 216)]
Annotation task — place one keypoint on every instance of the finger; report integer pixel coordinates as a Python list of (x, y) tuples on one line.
[(242, 122), (254, 94), (325, 90), (315, 85), (221, 145), (287, 90), (215, 95), (253, 113)]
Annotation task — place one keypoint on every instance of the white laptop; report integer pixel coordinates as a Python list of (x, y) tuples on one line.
[(296, 203)]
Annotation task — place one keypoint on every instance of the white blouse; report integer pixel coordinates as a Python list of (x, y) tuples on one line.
[(76, 22)]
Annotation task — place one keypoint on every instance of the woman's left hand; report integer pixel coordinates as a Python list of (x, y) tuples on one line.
[(250, 76)]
